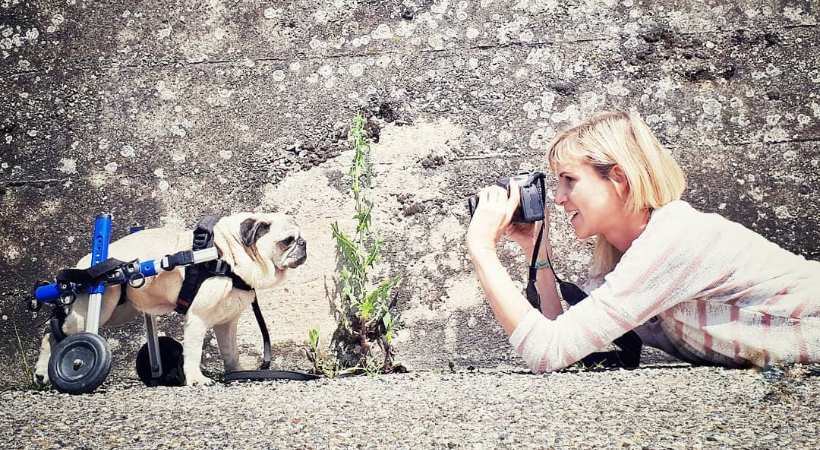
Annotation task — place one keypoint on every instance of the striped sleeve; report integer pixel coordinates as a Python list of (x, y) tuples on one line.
[(668, 264)]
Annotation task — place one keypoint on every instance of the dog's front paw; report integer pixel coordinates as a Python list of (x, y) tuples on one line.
[(40, 379), (198, 379)]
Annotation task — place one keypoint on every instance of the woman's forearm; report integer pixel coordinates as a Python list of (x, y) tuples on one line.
[(508, 305), (545, 284), (491, 220)]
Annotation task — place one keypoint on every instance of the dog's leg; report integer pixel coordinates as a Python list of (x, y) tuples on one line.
[(122, 314), (203, 314), (226, 338), (76, 320), (74, 323), (41, 369), (194, 338)]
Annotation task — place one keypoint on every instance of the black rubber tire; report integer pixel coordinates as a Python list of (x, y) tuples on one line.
[(79, 363), (170, 353)]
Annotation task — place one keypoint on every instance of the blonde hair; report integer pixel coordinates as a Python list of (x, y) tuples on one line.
[(623, 139)]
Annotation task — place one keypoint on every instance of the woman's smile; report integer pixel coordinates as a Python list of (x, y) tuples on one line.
[(572, 216)]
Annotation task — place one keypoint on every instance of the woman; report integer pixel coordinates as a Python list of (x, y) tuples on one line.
[(696, 285)]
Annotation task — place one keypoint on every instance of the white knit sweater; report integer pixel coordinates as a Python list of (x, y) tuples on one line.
[(698, 286)]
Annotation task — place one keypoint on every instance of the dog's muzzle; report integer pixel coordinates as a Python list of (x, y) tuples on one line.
[(298, 254)]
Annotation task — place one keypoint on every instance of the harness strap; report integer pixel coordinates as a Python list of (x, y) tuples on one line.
[(264, 372), (196, 274), (123, 297), (102, 272)]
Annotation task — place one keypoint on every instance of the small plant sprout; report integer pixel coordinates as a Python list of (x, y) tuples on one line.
[(322, 364)]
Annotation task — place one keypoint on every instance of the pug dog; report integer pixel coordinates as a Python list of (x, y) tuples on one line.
[(260, 249)]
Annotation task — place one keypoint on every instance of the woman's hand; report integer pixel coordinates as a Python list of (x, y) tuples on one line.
[(492, 217), (524, 234)]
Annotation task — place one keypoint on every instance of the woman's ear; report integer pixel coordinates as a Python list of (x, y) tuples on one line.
[(619, 180)]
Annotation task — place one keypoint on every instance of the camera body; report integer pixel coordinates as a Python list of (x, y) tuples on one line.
[(532, 192)]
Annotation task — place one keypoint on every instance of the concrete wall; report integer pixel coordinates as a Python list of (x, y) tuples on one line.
[(159, 112)]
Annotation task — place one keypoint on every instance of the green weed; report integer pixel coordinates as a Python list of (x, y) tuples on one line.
[(365, 313)]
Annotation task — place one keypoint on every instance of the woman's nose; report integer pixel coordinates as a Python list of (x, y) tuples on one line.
[(560, 197)]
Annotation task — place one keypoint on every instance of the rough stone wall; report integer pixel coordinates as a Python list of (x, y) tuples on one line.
[(159, 112)]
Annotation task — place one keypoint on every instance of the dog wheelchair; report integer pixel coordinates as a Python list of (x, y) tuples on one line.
[(81, 362)]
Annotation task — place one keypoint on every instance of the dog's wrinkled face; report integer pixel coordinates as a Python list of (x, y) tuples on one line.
[(274, 236)]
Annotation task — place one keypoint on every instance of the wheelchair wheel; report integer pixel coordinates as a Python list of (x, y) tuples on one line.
[(79, 363), (170, 353)]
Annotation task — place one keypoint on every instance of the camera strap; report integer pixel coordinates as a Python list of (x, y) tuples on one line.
[(532, 292), (571, 293)]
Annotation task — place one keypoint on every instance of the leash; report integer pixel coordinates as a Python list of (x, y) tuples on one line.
[(264, 373)]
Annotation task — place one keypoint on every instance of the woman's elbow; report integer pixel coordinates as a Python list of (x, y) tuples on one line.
[(541, 364)]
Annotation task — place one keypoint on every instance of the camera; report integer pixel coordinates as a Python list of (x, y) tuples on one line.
[(532, 191)]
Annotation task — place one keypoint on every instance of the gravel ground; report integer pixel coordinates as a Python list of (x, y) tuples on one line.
[(665, 406)]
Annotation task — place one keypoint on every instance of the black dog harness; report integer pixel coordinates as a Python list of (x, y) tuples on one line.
[(113, 271), (196, 274)]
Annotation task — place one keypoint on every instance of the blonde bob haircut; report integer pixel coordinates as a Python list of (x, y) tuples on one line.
[(619, 138)]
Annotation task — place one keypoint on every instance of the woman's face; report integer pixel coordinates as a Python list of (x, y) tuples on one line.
[(592, 202)]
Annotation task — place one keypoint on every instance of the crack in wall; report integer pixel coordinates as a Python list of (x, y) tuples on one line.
[(785, 141), (355, 55), (19, 183)]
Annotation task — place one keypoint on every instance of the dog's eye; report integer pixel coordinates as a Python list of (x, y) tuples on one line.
[(287, 241)]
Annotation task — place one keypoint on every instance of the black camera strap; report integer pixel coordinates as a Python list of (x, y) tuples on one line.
[(571, 293), (532, 292)]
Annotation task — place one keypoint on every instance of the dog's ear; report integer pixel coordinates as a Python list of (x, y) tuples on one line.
[(250, 230)]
